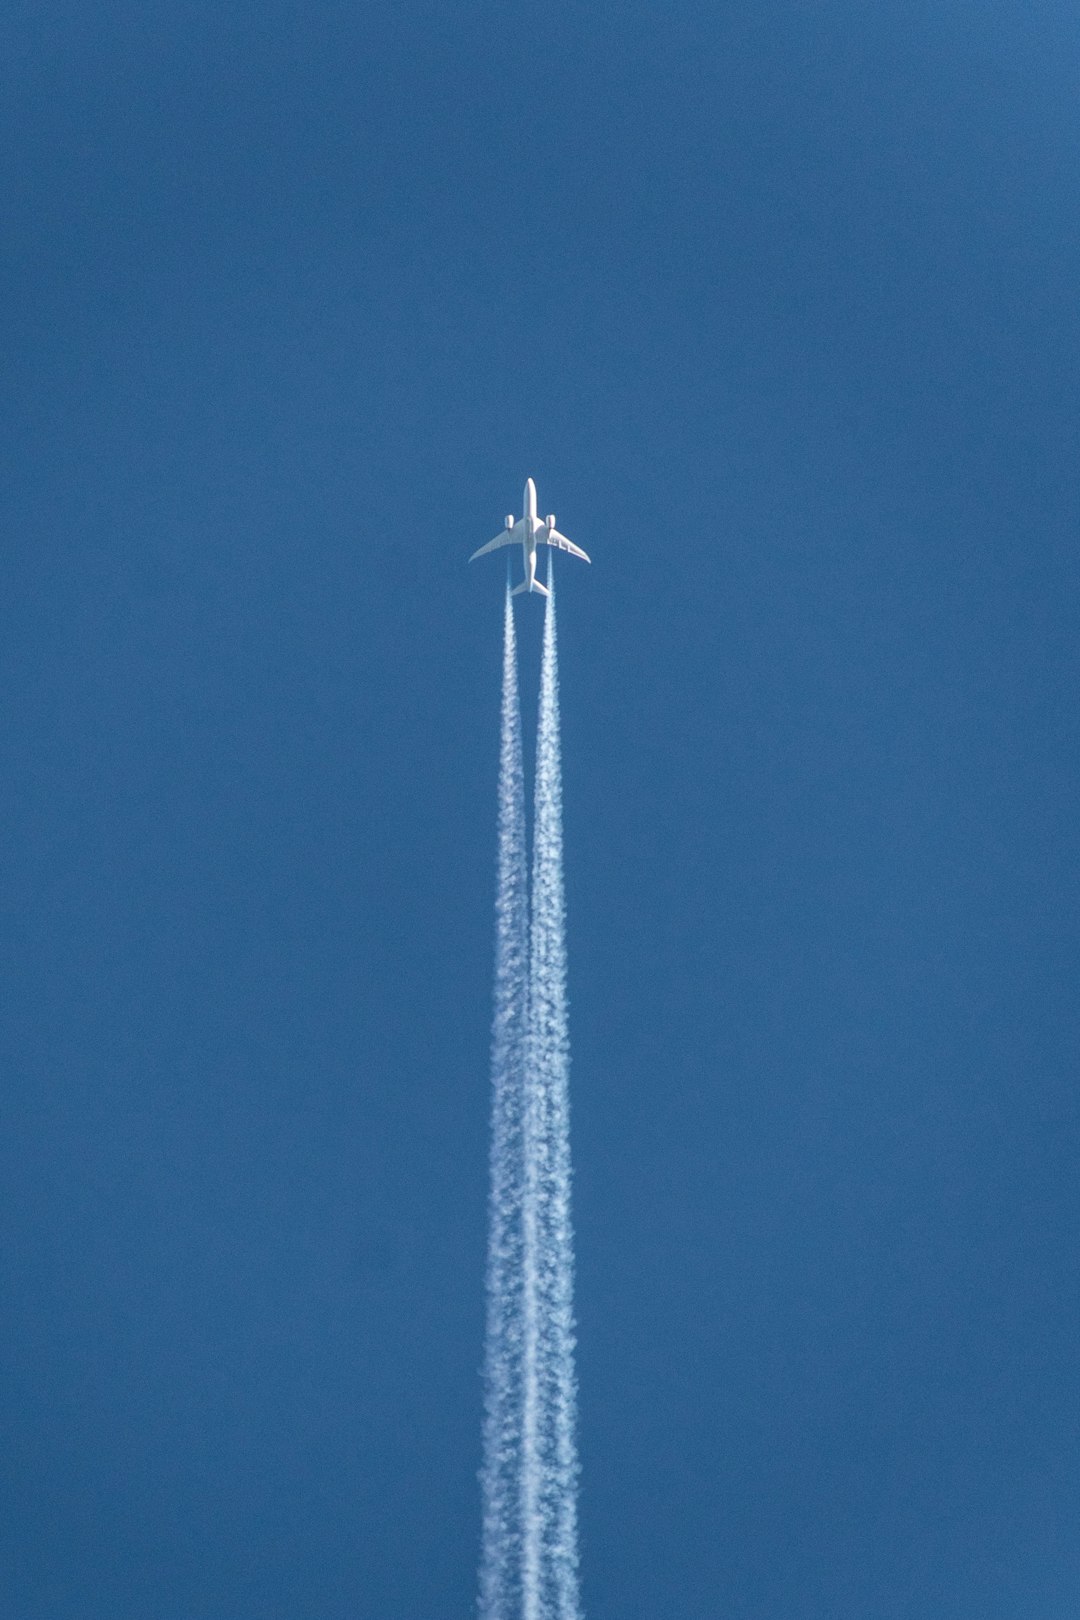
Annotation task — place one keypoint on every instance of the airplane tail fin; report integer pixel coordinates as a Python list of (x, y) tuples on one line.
[(519, 589)]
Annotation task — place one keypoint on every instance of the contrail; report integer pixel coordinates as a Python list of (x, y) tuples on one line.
[(529, 1562), (550, 1533), (501, 1476)]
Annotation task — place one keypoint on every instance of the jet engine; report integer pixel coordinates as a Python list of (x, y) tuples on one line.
[(509, 520), (550, 520)]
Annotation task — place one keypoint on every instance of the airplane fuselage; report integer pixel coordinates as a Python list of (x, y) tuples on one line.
[(530, 526)]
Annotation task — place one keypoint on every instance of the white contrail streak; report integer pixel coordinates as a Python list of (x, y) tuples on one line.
[(501, 1476), (529, 1563), (547, 1147)]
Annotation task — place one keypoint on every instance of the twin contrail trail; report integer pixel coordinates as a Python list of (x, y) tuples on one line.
[(529, 1562)]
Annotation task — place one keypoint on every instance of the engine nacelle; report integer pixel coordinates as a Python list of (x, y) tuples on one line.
[(509, 520), (550, 520)]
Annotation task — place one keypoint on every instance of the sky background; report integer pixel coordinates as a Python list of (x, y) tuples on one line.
[(777, 301)]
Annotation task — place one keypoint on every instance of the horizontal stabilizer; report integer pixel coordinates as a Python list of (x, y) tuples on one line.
[(524, 586)]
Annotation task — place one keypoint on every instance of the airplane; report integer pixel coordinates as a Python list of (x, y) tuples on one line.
[(529, 532)]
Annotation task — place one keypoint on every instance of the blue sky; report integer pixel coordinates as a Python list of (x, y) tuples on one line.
[(777, 303)]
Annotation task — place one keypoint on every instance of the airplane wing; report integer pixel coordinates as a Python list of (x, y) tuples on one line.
[(552, 537), (507, 538)]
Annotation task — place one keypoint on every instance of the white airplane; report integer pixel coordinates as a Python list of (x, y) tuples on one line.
[(529, 532)]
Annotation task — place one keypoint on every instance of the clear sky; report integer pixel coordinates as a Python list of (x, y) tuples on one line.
[(777, 301)]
